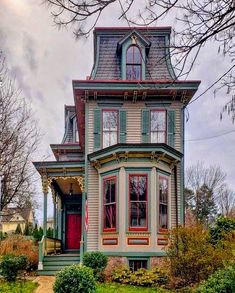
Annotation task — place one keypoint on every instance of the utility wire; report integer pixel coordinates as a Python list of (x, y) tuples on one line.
[(211, 137)]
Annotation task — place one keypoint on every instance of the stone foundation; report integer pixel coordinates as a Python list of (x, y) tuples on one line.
[(113, 263), (157, 261)]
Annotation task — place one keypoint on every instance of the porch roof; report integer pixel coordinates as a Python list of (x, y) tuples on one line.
[(60, 168)]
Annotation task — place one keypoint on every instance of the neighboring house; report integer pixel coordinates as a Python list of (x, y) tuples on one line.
[(117, 182), (13, 216)]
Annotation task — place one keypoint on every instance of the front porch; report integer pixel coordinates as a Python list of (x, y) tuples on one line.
[(65, 180)]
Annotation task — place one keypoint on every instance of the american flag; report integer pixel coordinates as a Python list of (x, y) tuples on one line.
[(86, 216)]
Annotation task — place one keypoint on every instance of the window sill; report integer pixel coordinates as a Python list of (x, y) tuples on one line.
[(163, 231)]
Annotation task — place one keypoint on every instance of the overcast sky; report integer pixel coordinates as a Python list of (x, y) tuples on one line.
[(44, 61)]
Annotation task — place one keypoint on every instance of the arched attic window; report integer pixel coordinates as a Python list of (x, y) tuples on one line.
[(133, 63)]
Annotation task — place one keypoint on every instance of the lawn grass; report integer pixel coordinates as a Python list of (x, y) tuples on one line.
[(17, 287), (119, 288)]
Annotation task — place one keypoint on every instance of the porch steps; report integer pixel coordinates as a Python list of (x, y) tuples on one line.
[(54, 263)]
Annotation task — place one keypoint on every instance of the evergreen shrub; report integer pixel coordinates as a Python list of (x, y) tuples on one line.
[(75, 279), (10, 265), (98, 262), (222, 281)]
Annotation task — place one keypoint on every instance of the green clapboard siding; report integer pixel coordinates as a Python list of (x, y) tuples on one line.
[(97, 130), (122, 126), (145, 125), (171, 128)]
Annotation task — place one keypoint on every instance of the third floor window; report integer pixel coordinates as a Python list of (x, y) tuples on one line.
[(133, 63)]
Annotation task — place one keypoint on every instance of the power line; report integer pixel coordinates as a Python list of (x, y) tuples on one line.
[(211, 137)]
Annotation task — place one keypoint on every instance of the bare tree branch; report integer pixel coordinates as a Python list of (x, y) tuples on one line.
[(19, 139)]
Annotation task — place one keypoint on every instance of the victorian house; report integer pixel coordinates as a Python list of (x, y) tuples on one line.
[(118, 176)]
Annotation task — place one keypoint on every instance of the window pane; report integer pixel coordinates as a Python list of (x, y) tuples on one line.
[(137, 55), (130, 55), (163, 202), (137, 264), (110, 120), (109, 203), (110, 216), (142, 188), (106, 139), (133, 55), (158, 120), (107, 192), (138, 188), (163, 190), (138, 214), (113, 138), (133, 188), (163, 216), (112, 191)]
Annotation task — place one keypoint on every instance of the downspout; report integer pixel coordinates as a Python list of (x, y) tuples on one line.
[(176, 196), (176, 207)]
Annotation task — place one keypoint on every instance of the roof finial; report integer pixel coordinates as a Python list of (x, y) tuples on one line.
[(133, 39)]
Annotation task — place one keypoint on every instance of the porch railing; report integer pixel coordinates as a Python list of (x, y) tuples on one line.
[(48, 245)]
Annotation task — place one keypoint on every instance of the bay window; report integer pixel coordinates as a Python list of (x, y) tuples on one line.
[(110, 127), (163, 203), (158, 126), (138, 199), (109, 204)]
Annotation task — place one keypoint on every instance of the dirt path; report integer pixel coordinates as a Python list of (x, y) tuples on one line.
[(45, 284)]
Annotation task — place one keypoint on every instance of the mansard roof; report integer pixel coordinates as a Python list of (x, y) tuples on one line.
[(107, 63)]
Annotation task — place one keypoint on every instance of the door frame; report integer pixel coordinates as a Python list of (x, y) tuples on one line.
[(67, 214), (72, 200)]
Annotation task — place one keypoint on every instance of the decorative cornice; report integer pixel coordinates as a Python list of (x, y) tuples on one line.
[(47, 181)]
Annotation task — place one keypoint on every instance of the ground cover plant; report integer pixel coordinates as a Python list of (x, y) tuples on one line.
[(17, 287), (142, 277), (121, 288)]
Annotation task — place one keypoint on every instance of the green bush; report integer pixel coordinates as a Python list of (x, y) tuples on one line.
[(192, 257), (10, 265), (221, 229), (222, 281), (98, 262), (75, 279), (141, 277)]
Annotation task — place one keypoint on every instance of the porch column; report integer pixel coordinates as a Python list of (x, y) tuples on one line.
[(54, 213), (45, 188), (83, 227)]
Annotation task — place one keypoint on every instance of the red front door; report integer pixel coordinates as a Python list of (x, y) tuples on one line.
[(73, 231)]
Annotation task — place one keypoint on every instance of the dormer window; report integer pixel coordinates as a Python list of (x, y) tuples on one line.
[(133, 50), (133, 63)]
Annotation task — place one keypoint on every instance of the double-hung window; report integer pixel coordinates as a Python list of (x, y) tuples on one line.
[(109, 204), (158, 126), (163, 203), (110, 127), (133, 63), (138, 201)]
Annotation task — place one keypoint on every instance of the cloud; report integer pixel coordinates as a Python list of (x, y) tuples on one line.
[(29, 48)]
